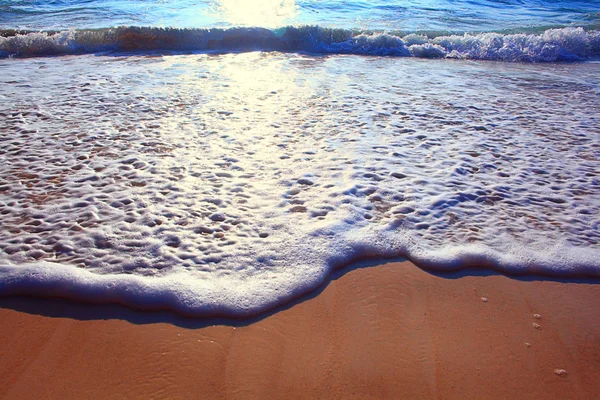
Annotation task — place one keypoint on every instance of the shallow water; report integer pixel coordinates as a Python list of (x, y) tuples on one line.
[(229, 183)]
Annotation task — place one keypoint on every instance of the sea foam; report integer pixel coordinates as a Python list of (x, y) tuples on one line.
[(228, 184)]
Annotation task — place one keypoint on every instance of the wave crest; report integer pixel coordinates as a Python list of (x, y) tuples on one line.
[(564, 44)]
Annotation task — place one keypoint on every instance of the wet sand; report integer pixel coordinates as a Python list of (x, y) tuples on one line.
[(390, 331)]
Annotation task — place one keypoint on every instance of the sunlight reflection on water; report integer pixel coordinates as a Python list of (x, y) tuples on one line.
[(265, 13)]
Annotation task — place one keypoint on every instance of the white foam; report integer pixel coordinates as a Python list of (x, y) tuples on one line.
[(229, 184)]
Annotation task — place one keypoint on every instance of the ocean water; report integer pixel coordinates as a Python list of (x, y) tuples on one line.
[(223, 157)]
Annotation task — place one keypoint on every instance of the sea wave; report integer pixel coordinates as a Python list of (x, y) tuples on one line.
[(552, 45)]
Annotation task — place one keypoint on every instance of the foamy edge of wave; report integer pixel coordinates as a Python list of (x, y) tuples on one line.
[(239, 297), (561, 44)]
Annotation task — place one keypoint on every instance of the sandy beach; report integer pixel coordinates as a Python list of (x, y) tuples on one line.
[(386, 331)]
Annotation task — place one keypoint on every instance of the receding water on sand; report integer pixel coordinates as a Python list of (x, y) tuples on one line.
[(227, 184)]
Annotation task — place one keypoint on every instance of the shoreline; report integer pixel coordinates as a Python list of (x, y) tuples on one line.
[(224, 315), (388, 331)]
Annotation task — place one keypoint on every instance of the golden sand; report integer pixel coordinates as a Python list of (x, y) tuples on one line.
[(392, 331)]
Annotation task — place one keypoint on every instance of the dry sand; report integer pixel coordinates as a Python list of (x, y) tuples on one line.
[(391, 331)]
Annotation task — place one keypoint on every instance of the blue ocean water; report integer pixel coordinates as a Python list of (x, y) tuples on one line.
[(455, 16), (223, 157), (510, 30)]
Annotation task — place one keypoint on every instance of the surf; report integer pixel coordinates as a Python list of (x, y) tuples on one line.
[(552, 45)]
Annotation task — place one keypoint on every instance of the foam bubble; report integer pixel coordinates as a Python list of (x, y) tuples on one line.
[(453, 165)]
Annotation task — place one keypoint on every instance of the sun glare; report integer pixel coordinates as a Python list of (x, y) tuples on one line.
[(263, 13)]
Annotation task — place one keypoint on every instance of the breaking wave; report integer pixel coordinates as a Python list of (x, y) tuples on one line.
[(552, 45)]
